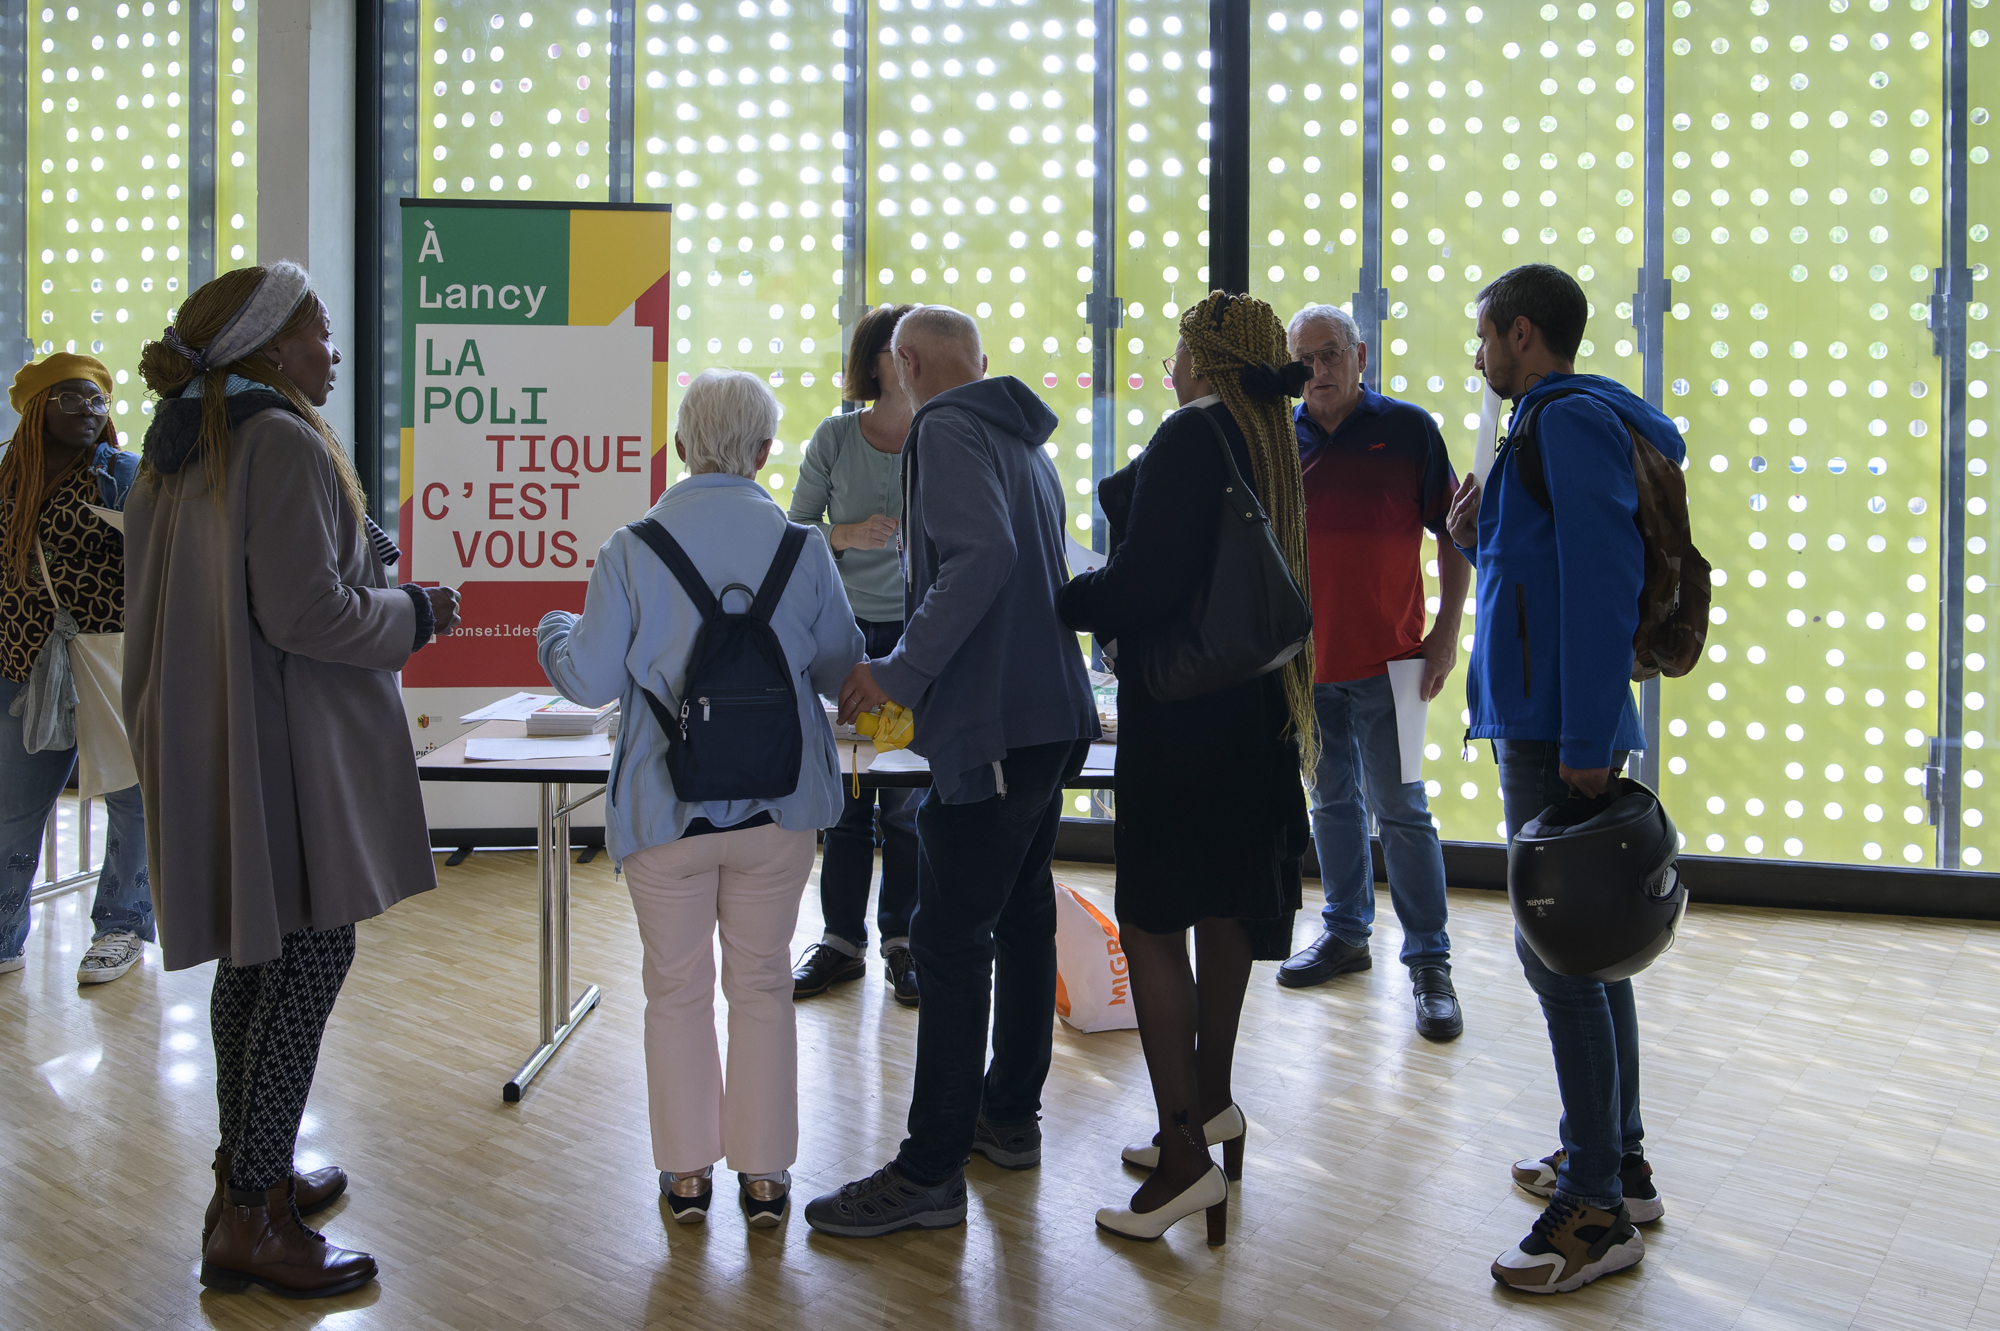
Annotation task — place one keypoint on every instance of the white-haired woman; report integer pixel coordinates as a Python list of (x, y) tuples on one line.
[(736, 868)]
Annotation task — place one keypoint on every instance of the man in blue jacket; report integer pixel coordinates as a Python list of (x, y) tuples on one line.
[(1550, 685), (1003, 713)]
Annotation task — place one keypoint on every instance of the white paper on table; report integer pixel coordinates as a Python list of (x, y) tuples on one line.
[(1081, 559), (1103, 757), (899, 760), (111, 517), (1489, 434), (1406, 683), (510, 750), (515, 707)]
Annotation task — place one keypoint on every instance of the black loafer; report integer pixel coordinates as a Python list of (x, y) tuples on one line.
[(901, 972), (822, 967), (1438, 1014), (1322, 959)]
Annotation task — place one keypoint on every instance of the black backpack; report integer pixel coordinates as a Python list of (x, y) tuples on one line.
[(1674, 597), (737, 736)]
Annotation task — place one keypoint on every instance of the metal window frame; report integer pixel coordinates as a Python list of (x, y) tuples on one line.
[(202, 17), (15, 344), (387, 128)]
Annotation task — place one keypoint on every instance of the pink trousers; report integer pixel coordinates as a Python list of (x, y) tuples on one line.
[(744, 886)]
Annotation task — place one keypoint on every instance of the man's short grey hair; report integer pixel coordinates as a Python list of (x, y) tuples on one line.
[(1342, 321), (938, 323), (724, 419)]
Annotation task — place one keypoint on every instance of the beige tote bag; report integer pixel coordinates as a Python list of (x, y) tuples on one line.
[(97, 668)]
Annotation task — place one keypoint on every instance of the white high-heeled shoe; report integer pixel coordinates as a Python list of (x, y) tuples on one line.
[(1226, 1130), (1208, 1193)]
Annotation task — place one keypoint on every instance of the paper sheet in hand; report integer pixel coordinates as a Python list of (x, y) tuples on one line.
[(1483, 444), (1081, 560), (1406, 683), (109, 516), (899, 760), (515, 707), (509, 750)]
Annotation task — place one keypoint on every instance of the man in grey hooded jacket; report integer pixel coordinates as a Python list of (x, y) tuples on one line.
[(1003, 712)]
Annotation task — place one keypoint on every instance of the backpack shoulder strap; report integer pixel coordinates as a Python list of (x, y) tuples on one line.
[(676, 559), (780, 573), (1528, 453)]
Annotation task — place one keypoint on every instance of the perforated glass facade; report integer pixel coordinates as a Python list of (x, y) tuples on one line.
[(109, 198), (958, 151)]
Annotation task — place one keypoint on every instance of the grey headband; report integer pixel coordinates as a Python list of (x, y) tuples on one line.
[(257, 321)]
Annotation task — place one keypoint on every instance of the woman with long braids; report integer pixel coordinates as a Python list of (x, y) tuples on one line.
[(64, 458), (262, 638), (1211, 821)]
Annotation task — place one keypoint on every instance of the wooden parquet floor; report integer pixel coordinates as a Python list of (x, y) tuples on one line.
[(1822, 1094)]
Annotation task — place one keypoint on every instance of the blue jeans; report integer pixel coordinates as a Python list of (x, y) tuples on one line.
[(1593, 1027), (30, 783), (1358, 748), (984, 937), (847, 866)]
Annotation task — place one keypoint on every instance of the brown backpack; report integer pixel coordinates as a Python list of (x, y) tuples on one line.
[(1674, 597)]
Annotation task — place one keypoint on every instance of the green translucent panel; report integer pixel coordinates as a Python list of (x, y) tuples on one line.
[(1305, 156), (1802, 217), (107, 212), (513, 101), (980, 191), (738, 121), (1980, 802), (1161, 239), (236, 136)]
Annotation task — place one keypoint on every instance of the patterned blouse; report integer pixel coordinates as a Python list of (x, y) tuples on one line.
[(87, 565)]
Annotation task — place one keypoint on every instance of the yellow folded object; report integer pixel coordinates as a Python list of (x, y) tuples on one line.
[(890, 727)]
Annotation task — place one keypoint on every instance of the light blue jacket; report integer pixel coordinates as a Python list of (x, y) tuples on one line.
[(638, 627)]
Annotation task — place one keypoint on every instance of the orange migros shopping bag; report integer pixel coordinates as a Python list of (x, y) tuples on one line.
[(1093, 989)]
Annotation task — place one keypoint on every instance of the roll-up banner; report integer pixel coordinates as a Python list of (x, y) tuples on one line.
[(534, 388)]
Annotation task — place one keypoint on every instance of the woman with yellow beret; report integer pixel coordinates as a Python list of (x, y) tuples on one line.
[(63, 459)]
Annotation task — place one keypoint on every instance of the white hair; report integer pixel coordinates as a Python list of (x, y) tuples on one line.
[(725, 418), (938, 323), (1342, 321)]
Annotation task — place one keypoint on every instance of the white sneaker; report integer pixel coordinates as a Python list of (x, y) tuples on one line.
[(16, 962), (109, 958)]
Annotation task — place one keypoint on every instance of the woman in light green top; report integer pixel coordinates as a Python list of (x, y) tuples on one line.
[(851, 486)]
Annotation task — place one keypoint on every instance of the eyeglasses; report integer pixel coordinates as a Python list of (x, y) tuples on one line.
[(1167, 364), (1327, 357), (76, 403)]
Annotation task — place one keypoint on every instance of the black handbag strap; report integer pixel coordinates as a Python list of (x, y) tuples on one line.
[(1241, 498)]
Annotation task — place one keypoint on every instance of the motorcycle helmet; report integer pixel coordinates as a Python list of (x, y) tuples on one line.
[(1593, 883)]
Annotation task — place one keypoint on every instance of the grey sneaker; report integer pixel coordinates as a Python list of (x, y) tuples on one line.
[(1011, 1145), (885, 1202), (109, 958)]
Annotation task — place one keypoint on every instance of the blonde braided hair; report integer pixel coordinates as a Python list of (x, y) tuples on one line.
[(1238, 345)]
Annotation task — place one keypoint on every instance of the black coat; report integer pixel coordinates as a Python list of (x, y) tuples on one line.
[(1211, 813)]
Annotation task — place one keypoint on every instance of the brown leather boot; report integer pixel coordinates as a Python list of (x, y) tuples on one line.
[(259, 1240), (314, 1192)]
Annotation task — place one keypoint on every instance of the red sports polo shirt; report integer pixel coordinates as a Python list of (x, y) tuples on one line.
[(1371, 488)]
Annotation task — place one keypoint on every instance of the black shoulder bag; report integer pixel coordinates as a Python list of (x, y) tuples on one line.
[(1246, 619)]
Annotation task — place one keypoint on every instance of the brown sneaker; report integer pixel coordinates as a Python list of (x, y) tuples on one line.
[(1570, 1246), (313, 1192), (259, 1240)]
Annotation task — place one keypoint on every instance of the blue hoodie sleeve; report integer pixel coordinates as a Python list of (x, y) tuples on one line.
[(968, 519), (1587, 458)]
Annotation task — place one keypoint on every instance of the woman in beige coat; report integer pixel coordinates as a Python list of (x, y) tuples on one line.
[(262, 637)]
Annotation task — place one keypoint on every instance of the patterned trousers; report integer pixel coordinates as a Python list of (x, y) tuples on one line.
[(267, 1021)]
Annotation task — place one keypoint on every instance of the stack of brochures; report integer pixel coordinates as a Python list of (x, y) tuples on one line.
[(560, 716)]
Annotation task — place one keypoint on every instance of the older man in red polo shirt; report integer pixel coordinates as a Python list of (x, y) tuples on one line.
[(1376, 477)]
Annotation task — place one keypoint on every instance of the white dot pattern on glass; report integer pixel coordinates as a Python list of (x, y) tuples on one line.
[(107, 172)]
